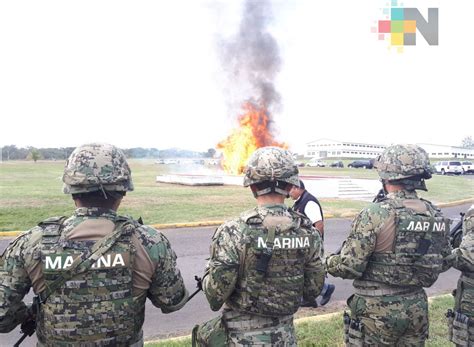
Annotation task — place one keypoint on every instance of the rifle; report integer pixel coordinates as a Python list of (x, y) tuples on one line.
[(198, 285), (455, 235), (380, 196), (28, 327)]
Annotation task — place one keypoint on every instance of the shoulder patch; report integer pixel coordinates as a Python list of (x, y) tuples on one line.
[(53, 220), (251, 217)]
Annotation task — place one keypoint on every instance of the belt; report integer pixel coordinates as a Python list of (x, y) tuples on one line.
[(253, 321), (139, 343), (385, 291)]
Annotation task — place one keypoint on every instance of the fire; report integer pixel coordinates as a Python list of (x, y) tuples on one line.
[(253, 132)]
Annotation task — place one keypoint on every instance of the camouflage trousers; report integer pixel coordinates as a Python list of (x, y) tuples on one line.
[(461, 321), (388, 320), (239, 329)]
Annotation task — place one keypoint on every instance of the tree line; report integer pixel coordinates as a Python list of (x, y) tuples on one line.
[(13, 152)]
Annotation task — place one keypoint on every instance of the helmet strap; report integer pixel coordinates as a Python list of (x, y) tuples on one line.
[(101, 187)]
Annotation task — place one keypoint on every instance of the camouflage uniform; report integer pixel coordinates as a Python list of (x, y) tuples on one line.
[(262, 264), (461, 324), (102, 301), (396, 246)]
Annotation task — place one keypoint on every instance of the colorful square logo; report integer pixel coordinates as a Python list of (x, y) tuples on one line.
[(402, 26)]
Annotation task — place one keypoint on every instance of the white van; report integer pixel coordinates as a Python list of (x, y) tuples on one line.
[(448, 167)]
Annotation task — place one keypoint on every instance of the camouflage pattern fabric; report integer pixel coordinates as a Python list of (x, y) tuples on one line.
[(461, 324), (389, 284), (99, 306), (271, 164), (94, 167), (403, 161), (388, 320), (259, 307)]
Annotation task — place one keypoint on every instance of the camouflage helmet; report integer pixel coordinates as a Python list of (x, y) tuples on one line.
[(94, 167), (399, 162), (271, 164)]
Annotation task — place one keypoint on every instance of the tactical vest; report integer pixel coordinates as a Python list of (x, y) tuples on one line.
[(301, 203), (95, 307), (468, 223), (417, 258), (278, 290)]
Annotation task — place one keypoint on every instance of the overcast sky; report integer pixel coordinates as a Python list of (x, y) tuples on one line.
[(147, 73)]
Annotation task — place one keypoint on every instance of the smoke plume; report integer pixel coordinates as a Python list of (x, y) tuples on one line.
[(251, 59)]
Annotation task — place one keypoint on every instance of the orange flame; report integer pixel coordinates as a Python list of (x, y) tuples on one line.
[(252, 133)]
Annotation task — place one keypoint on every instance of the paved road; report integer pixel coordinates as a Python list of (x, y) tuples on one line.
[(192, 248)]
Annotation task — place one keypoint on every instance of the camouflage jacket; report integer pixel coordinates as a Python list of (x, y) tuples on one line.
[(154, 274), (363, 239), (464, 255), (230, 277)]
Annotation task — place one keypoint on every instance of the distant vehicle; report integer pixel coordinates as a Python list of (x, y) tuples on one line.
[(316, 163), (299, 164), (171, 161), (337, 164), (159, 161), (448, 167), (467, 167), (363, 163)]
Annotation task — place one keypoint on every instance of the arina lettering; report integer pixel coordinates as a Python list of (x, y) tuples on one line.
[(426, 226), (286, 242), (106, 261)]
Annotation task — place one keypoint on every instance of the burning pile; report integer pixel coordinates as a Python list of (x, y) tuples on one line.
[(251, 60), (253, 132)]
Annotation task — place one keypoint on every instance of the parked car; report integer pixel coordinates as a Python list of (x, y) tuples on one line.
[(337, 164), (316, 163), (448, 167), (363, 163), (467, 167), (299, 164)]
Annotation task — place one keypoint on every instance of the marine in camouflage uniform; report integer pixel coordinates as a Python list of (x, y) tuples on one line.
[(461, 321), (397, 245), (94, 270), (262, 263)]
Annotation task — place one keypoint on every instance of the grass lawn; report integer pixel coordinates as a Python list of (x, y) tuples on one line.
[(328, 332), (31, 192)]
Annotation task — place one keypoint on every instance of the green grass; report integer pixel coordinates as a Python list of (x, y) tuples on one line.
[(329, 332), (31, 192)]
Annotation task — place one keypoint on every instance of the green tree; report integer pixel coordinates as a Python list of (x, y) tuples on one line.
[(467, 142), (34, 155), (210, 153)]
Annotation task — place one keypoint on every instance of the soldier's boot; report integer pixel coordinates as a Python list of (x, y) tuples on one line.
[(327, 295)]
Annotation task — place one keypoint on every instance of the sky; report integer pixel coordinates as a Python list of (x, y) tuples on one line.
[(149, 74)]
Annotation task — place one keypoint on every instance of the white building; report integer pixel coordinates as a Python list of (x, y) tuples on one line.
[(327, 148), (439, 151)]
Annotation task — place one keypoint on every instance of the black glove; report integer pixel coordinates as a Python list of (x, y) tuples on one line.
[(28, 327)]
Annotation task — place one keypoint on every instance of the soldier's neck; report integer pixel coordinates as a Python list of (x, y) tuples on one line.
[(113, 207), (393, 188), (269, 199)]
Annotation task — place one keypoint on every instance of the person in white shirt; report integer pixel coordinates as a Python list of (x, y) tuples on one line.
[(308, 205)]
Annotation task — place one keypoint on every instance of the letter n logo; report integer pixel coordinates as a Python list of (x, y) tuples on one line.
[(428, 28)]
